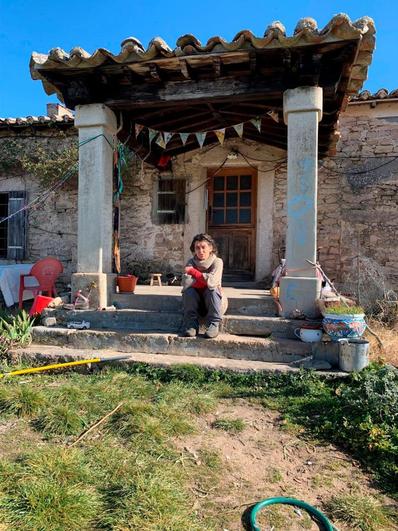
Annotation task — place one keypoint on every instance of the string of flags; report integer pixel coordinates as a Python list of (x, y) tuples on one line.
[(162, 138)]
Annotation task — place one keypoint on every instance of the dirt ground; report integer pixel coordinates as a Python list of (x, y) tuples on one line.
[(265, 460)]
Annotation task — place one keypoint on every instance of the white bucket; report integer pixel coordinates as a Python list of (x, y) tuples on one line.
[(353, 354)]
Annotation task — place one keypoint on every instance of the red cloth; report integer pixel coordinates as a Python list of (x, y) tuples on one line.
[(200, 282), (194, 273)]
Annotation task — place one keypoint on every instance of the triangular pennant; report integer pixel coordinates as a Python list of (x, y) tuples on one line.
[(239, 129), (138, 129), (152, 134), (257, 123), (184, 137), (160, 141), (167, 137), (220, 134), (201, 137)]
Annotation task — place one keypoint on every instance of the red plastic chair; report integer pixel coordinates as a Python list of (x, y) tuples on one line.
[(46, 271)]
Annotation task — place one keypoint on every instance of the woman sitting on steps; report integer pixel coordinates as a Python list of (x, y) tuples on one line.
[(202, 292)]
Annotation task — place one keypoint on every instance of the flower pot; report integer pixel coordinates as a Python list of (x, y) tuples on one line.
[(126, 283), (344, 325)]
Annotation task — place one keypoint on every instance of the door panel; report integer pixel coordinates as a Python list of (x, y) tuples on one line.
[(231, 218)]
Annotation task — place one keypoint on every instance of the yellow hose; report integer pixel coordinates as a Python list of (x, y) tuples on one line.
[(59, 366)]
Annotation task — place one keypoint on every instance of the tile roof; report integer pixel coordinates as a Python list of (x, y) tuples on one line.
[(381, 94), (132, 52), (35, 120)]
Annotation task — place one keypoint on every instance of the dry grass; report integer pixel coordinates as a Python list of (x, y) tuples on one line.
[(389, 337)]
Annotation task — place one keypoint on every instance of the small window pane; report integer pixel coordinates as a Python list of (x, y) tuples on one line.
[(232, 216), (245, 199), (232, 182), (167, 185), (167, 202), (245, 215), (218, 183), (245, 182), (232, 199), (218, 217), (218, 200)]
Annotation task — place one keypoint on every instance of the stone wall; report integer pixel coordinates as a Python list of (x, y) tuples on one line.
[(357, 199), (357, 205)]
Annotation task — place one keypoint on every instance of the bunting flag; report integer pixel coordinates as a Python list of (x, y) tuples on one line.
[(152, 134), (138, 129), (239, 129), (257, 123), (167, 137), (162, 138), (184, 137), (160, 141), (220, 134), (201, 137)]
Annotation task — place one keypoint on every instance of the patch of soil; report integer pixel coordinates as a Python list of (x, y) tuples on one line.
[(17, 430), (266, 460)]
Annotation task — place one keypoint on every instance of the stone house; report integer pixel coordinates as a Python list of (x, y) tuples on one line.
[(236, 190), (357, 197)]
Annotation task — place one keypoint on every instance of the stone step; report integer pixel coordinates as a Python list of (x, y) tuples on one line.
[(168, 299), (43, 354), (224, 346), (146, 320)]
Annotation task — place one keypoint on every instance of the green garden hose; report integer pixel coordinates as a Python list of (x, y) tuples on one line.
[(320, 517)]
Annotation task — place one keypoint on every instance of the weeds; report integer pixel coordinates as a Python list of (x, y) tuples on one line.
[(359, 511), (15, 330), (231, 425)]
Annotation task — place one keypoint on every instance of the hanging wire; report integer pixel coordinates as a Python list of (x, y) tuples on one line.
[(41, 198)]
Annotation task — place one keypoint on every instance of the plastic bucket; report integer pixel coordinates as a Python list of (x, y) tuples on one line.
[(39, 304), (126, 283), (353, 354)]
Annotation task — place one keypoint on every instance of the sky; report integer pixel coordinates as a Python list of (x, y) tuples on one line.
[(39, 25)]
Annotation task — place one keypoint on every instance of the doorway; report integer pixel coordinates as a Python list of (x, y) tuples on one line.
[(231, 220)]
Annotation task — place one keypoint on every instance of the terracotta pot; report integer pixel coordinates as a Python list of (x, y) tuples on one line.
[(126, 283)]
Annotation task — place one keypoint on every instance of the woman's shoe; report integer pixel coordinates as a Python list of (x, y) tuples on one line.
[(212, 330), (192, 329)]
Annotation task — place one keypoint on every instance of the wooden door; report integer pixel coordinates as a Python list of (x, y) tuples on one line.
[(232, 219)]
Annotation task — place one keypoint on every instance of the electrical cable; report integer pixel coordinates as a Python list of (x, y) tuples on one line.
[(362, 172)]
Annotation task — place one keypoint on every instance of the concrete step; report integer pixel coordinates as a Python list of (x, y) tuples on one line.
[(168, 299), (42, 354), (224, 346), (172, 322)]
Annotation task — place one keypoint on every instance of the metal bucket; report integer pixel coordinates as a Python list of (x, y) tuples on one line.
[(353, 354)]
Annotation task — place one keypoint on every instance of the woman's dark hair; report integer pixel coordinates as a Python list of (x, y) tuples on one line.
[(204, 238)]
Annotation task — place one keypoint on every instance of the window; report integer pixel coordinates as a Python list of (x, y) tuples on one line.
[(12, 231), (170, 206)]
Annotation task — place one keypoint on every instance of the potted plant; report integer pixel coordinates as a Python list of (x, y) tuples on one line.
[(342, 321)]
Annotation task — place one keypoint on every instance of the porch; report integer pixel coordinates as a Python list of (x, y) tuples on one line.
[(289, 91)]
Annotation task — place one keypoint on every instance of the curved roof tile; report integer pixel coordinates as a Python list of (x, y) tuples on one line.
[(306, 32)]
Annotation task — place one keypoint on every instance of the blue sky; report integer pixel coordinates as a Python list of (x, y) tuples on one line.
[(40, 25)]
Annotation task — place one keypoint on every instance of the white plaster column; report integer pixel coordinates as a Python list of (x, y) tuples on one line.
[(97, 126), (302, 108)]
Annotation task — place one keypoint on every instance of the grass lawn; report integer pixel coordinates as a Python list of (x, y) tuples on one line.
[(187, 450)]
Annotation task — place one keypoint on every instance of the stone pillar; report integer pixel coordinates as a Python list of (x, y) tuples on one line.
[(302, 108), (95, 229)]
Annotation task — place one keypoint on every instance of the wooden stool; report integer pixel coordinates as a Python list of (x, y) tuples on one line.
[(156, 279)]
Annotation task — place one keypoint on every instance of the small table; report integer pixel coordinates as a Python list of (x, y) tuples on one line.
[(9, 282)]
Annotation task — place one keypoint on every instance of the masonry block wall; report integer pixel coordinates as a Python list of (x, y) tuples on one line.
[(357, 198), (357, 202)]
